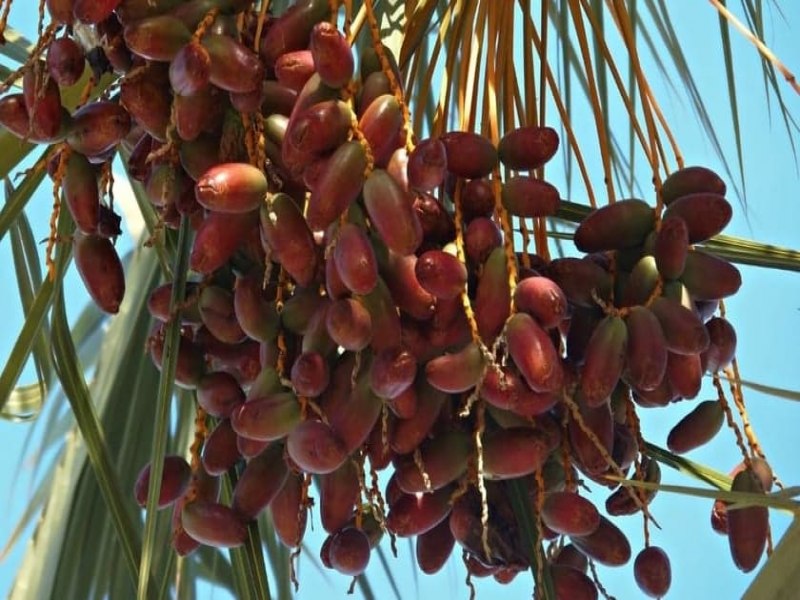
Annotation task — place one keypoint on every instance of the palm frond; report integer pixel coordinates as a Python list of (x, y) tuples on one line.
[(738, 250), (161, 415), (779, 500), (32, 328), (725, 37), (92, 433), (530, 532), (249, 569), (770, 390), (28, 271), (16, 46), (37, 572), (689, 467)]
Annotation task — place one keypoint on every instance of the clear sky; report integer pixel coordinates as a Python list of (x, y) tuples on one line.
[(766, 313)]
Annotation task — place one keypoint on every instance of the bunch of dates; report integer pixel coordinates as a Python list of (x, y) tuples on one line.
[(355, 303)]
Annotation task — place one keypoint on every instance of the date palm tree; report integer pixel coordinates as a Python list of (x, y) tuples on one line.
[(595, 71)]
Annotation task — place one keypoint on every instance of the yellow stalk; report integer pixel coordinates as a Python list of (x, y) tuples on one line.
[(732, 425), (511, 95), (732, 374), (601, 449), (540, 224), (442, 107), (762, 48), (665, 126), (471, 88), (491, 126), (56, 211), (463, 75), (612, 66), (594, 98), (506, 68), (527, 57), (542, 73), (566, 122), (491, 121), (262, 15), (434, 59), (622, 19), (358, 23)]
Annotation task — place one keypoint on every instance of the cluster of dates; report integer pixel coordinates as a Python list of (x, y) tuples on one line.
[(353, 295)]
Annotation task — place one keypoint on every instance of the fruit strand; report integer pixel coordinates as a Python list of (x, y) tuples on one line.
[(170, 149), (200, 434), (107, 183), (596, 579), (4, 18), (304, 504), (262, 16), (86, 92), (466, 303), (734, 381), (523, 229), (58, 179), (294, 557), (384, 428), (468, 579), (363, 493), (426, 479), (635, 427), (205, 23), (250, 139), (348, 17), (576, 415), (657, 290), (378, 506), (361, 138), (480, 425), (349, 92), (508, 236), (566, 456), (280, 341), (732, 425), (41, 44)]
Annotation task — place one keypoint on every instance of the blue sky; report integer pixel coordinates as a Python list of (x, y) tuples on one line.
[(766, 313)]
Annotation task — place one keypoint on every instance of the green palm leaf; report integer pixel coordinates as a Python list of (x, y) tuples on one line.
[(161, 417)]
